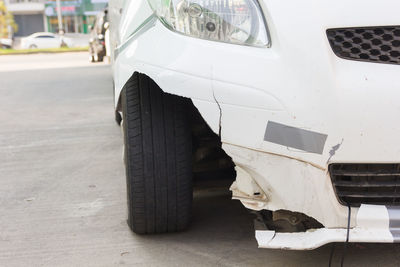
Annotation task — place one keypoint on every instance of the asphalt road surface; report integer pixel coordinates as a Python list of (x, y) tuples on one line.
[(62, 184)]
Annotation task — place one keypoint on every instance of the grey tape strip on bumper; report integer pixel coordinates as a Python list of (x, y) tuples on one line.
[(394, 222), (293, 137)]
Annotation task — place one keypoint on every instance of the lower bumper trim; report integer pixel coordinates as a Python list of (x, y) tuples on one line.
[(318, 237), (374, 224)]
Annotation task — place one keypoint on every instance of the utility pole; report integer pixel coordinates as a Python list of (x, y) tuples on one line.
[(59, 17)]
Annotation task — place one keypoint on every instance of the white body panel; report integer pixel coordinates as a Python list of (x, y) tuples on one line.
[(371, 225), (298, 81)]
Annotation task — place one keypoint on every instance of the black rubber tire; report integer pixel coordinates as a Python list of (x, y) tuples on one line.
[(118, 118), (158, 158), (100, 58)]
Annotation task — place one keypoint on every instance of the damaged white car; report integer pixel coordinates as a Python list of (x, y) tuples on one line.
[(301, 98)]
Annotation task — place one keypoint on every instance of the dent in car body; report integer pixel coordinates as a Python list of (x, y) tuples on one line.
[(288, 83)]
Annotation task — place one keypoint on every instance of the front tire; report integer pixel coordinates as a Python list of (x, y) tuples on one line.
[(100, 57), (158, 157)]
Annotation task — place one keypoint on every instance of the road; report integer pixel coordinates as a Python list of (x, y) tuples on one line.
[(62, 184)]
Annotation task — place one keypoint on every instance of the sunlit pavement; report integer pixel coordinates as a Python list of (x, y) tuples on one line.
[(62, 184), (46, 61)]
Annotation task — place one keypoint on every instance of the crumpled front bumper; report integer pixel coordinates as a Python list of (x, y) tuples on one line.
[(286, 112), (268, 181), (375, 224)]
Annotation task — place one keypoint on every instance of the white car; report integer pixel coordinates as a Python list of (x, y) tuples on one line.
[(301, 96), (6, 43), (44, 40)]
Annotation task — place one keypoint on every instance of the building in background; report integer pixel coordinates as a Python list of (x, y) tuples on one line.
[(28, 14), (77, 15), (41, 15)]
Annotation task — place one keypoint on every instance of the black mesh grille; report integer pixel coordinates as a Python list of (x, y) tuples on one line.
[(357, 184), (372, 44)]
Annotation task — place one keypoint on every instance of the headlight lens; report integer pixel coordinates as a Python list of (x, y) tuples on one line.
[(230, 21)]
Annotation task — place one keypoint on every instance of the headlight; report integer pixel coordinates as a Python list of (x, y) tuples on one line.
[(230, 21)]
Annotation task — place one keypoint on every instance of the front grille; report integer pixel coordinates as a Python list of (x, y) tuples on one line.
[(357, 184), (372, 44)]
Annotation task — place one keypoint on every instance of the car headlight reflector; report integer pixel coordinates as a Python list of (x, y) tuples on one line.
[(230, 21)]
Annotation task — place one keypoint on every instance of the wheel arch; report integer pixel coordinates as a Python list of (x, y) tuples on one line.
[(208, 108), (209, 158)]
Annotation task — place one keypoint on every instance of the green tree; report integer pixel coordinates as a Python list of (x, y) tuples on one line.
[(7, 22)]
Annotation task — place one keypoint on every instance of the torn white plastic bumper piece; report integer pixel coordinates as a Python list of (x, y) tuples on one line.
[(374, 224), (315, 238)]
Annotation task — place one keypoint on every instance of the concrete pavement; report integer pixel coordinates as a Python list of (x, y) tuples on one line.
[(45, 61), (62, 184)]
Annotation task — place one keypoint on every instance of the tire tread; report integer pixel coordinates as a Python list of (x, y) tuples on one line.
[(158, 159)]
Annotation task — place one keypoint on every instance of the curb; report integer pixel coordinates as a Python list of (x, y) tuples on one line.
[(42, 52)]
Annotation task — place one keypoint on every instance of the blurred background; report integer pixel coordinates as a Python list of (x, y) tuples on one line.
[(67, 23)]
